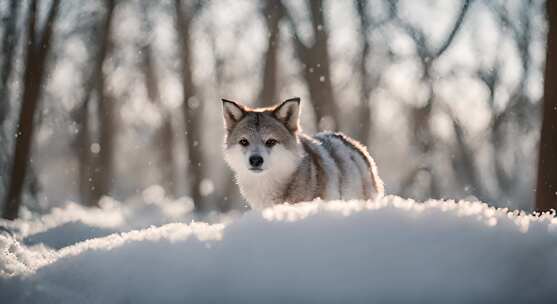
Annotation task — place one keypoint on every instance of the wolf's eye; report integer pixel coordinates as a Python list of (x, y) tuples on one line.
[(244, 142), (271, 142)]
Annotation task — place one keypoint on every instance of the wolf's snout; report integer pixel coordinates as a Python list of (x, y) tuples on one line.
[(256, 161)]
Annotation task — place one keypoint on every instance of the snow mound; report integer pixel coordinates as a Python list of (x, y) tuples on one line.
[(388, 250), (73, 223)]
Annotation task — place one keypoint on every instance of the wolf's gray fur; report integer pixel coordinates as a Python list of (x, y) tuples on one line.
[(275, 162)]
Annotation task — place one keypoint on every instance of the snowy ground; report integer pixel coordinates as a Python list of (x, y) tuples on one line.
[(391, 250)]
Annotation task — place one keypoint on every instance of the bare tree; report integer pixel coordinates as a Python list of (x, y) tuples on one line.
[(420, 116), (103, 155), (192, 106), (464, 163), (165, 135), (520, 107), (38, 47), (9, 42), (316, 66), (507, 175), (94, 153), (82, 145), (364, 108), (272, 13), (546, 191), (82, 116), (369, 78), (229, 197)]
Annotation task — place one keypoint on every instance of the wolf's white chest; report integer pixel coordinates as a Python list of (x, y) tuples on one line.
[(261, 191)]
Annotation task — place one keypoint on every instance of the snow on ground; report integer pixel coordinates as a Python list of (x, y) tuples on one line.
[(390, 250), (73, 223)]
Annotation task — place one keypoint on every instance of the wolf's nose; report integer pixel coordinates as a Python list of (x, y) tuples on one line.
[(256, 161)]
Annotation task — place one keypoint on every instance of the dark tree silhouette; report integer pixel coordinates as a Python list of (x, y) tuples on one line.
[(369, 79), (316, 66), (420, 115), (229, 194), (82, 145), (272, 13), (164, 140), (514, 113), (192, 105), (9, 42), (38, 47), (95, 167), (364, 108), (103, 171), (546, 191)]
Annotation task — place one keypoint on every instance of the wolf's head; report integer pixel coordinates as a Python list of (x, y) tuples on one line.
[(261, 141)]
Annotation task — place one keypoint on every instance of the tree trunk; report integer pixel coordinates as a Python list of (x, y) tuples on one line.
[(82, 144), (464, 163), (103, 171), (167, 158), (420, 116), (33, 78), (365, 126), (272, 13), (316, 70), (88, 162), (83, 149), (9, 43), (546, 191), (165, 134), (192, 107)]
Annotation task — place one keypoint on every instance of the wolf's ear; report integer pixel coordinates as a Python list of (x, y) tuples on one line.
[(289, 113), (232, 112)]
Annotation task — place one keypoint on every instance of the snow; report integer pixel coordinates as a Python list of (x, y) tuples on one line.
[(389, 250), (72, 223)]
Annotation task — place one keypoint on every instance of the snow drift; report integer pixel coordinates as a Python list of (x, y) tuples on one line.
[(390, 250)]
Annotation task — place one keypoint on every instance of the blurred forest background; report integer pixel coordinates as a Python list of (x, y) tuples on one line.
[(108, 98)]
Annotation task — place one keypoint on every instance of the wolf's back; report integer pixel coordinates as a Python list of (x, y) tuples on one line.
[(336, 167)]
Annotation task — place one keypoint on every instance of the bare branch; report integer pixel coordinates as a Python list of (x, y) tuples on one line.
[(299, 45), (456, 27), (425, 50)]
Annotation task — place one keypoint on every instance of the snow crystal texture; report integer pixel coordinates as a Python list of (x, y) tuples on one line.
[(391, 250)]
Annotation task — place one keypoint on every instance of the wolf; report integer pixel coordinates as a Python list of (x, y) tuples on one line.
[(275, 163)]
